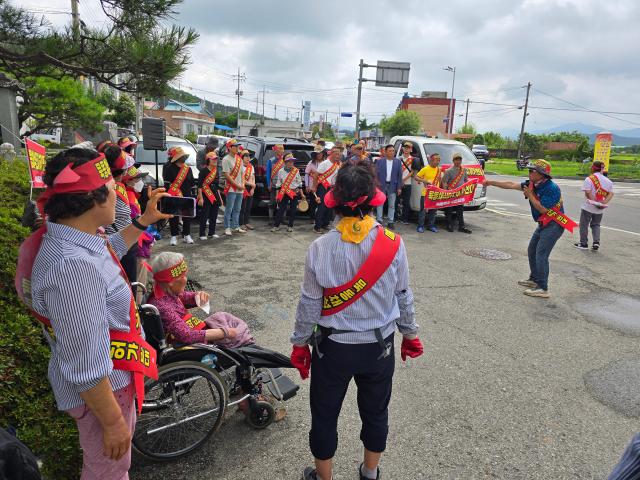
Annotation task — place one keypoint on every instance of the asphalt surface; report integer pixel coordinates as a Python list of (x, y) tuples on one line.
[(622, 213), (510, 387)]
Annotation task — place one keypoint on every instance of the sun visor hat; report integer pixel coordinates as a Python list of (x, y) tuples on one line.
[(541, 166)]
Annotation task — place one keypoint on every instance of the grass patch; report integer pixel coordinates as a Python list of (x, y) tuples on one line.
[(559, 168), (26, 399)]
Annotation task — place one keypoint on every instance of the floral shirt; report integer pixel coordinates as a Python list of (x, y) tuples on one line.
[(172, 308)]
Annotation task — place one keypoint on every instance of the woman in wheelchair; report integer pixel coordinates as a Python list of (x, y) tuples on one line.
[(173, 302)]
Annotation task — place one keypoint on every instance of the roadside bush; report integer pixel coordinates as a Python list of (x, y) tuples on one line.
[(566, 155), (26, 399)]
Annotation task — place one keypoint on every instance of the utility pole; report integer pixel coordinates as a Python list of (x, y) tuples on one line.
[(75, 20), (338, 129), (239, 78), (360, 80), (275, 114), (264, 91), (453, 86), (524, 119), (466, 114)]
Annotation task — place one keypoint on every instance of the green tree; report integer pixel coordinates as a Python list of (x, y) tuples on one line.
[(494, 140), (124, 112), (132, 51), (478, 139), (105, 97), (50, 103), (469, 128), (403, 122), (192, 137), (531, 143)]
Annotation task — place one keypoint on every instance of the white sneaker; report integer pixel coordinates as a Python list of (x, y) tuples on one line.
[(203, 238), (289, 229), (227, 231), (174, 241), (528, 283), (188, 239), (240, 230), (218, 221), (215, 235), (537, 292)]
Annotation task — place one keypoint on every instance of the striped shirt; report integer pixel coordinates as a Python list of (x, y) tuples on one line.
[(123, 217), (77, 285), (332, 262)]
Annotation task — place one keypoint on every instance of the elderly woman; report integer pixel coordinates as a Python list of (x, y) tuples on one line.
[(170, 278), (355, 293), (79, 291)]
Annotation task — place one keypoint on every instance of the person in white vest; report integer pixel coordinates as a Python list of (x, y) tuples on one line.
[(598, 192)]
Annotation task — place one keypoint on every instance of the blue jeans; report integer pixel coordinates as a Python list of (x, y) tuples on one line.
[(540, 246), (232, 210), (391, 207)]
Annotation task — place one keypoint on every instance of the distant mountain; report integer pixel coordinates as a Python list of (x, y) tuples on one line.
[(622, 138)]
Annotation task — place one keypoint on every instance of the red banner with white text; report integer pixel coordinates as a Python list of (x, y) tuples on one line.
[(36, 154), (441, 198)]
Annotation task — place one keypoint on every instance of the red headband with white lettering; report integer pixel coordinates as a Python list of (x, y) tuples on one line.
[(168, 275)]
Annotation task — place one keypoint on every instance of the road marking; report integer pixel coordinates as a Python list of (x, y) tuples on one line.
[(631, 194), (515, 214)]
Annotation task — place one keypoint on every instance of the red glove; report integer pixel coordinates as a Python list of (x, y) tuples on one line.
[(301, 359), (411, 348)]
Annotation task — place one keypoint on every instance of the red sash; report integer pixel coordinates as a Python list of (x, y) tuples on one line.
[(438, 178), (455, 181), (128, 352), (193, 322), (380, 258), (134, 204), (285, 189), (556, 215), (323, 177), (174, 189), (234, 172), (276, 168), (247, 177), (601, 193), (206, 185), (121, 192)]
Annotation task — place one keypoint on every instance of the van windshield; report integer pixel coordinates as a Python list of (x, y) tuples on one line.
[(447, 151)]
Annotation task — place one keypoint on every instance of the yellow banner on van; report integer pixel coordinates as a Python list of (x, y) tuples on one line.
[(602, 149)]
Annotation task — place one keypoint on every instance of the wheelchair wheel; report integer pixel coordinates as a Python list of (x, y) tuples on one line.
[(181, 410), (261, 416)]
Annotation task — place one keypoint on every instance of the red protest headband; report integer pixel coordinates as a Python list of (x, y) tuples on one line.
[(168, 275), (83, 179), (377, 200)]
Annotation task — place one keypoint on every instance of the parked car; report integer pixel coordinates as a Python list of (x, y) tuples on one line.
[(425, 146), (203, 139), (147, 158), (261, 151), (481, 152)]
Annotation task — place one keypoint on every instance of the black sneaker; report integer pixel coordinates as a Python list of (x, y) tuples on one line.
[(449, 228), (404, 222), (595, 247), (362, 477), (582, 246), (309, 474), (391, 226), (464, 230)]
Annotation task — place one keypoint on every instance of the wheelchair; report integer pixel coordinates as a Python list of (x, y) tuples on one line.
[(185, 406)]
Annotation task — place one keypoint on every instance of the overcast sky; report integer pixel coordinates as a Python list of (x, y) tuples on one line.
[(580, 51)]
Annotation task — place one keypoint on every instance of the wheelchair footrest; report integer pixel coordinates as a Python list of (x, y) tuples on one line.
[(287, 387)]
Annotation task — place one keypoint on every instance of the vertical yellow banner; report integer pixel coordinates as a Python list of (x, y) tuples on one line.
[(602, 149)]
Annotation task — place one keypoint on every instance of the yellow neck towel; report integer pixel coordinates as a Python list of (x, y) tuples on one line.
[(355, 229)]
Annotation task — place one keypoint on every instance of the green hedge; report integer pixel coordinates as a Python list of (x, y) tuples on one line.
[(26, 400)]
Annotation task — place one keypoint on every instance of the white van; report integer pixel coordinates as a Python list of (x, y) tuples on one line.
[(425, 146)]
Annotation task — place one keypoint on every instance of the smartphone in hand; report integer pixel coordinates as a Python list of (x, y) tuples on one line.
[(178, 206)]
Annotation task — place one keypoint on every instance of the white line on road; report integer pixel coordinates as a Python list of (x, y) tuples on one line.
[(515, 214)]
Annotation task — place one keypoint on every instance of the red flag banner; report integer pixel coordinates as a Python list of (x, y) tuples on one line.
[(440, 198), (36, 154)]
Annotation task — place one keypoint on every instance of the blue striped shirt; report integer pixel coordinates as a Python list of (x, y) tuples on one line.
[(332, 262), (77, 285)]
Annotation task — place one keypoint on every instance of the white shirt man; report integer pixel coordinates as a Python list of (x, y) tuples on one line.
[(599, 189)]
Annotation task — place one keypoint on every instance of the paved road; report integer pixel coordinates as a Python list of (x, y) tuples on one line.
[(622, 214), (510, 387)]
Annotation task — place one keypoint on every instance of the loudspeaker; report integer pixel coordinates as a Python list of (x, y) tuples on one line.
[(154, 134)]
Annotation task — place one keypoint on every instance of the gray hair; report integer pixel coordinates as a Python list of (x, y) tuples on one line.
[(165, 260)]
